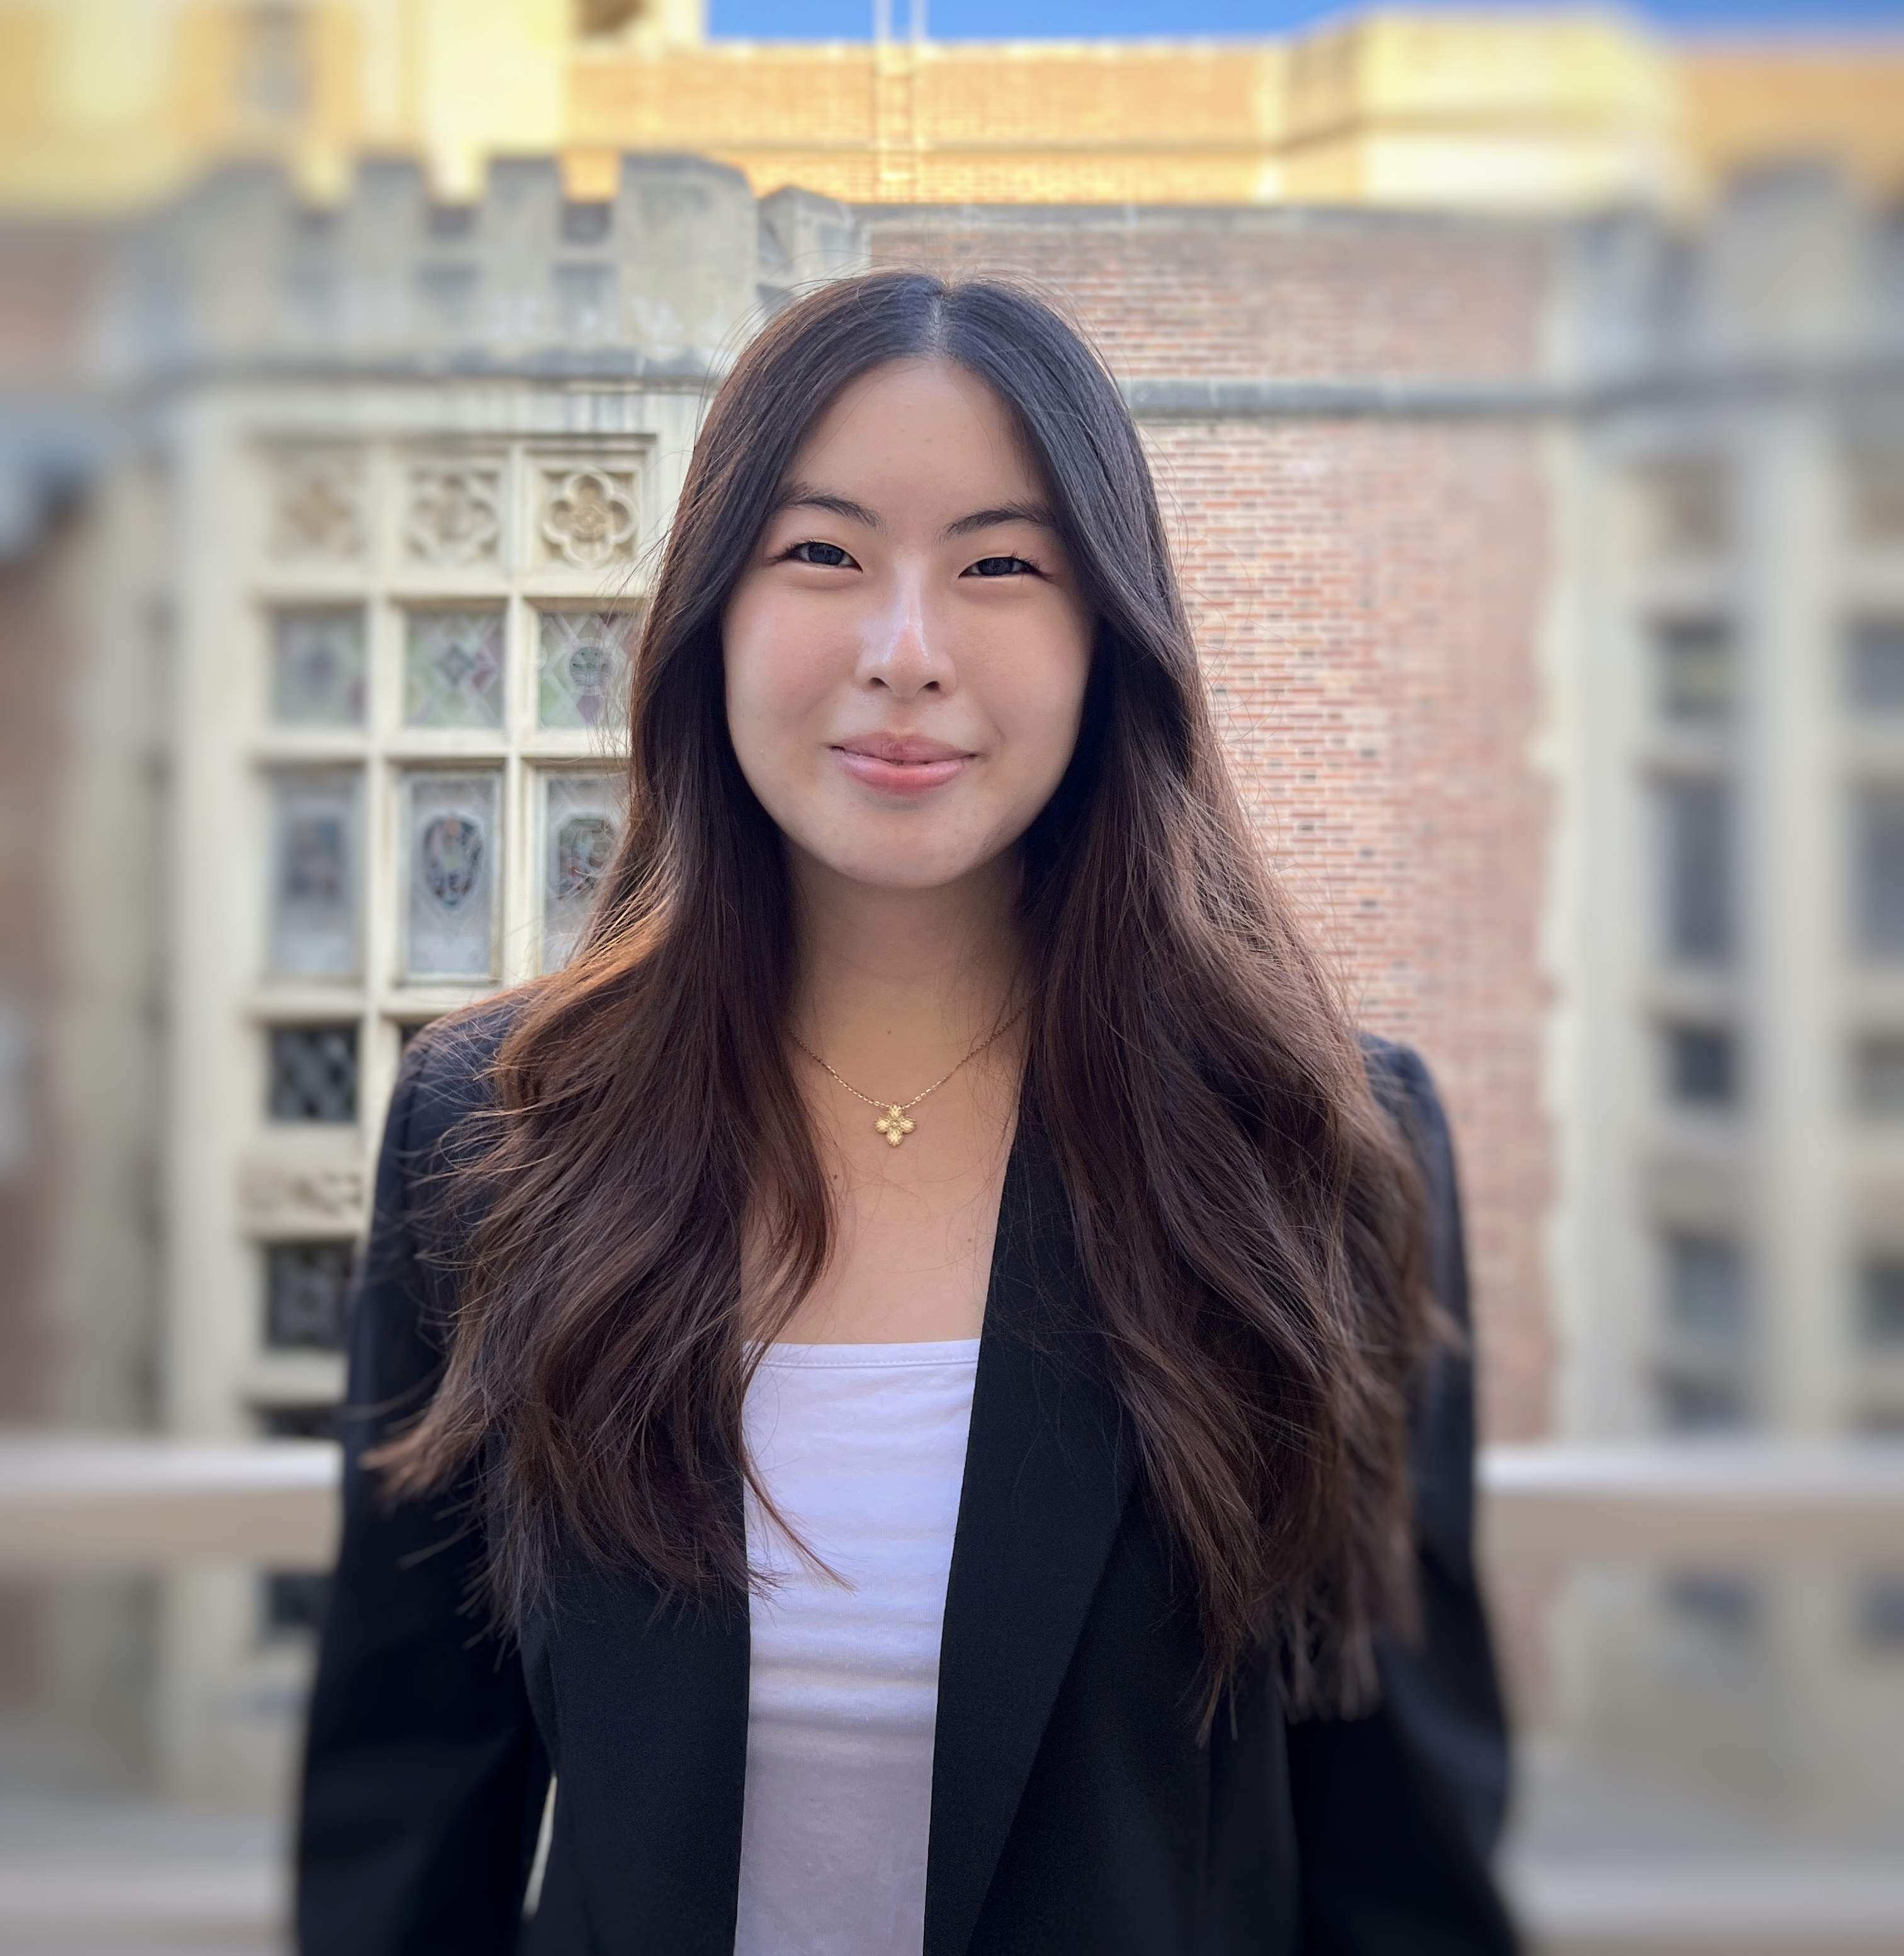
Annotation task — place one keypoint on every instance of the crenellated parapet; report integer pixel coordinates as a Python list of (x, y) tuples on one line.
[(659, 283), (1791, 279)]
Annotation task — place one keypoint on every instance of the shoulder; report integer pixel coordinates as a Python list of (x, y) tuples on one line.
[(447, 1077), (1397, 1073), (1404, 1090)]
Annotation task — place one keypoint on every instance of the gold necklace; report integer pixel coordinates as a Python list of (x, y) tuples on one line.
[(892, 1121)]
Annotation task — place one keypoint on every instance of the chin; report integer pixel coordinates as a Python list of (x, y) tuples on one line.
[(899, 870)]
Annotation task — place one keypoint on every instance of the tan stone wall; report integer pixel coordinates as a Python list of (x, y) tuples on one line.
[(1745, 106), (1367, 594), (947, 124), (1542, 110)]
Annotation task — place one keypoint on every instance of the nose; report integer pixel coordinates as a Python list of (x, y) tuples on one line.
[(901, 650)]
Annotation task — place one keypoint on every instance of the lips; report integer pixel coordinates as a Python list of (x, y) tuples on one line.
[(901, 764)]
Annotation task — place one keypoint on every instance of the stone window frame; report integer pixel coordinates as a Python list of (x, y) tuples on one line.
[(367, 557)]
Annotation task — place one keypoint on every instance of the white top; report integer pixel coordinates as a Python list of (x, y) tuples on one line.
[(862, 1447)]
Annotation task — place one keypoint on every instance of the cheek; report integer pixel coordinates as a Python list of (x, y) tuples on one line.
[(772, 682), (1040, 701)]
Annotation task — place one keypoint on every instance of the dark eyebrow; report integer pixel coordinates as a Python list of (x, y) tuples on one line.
[(1011, 512), (804, 496)]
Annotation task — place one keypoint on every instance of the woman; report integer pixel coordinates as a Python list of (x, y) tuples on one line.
[(894, 1376)]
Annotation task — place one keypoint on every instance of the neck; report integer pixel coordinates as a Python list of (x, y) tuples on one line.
[(900, 984)]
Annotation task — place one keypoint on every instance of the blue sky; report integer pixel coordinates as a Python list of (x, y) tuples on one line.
[(1125, 20)]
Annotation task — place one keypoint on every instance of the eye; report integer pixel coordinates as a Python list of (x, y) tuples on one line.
[(1001, 566), (828, 557)]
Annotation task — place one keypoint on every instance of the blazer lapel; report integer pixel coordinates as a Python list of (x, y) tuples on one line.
[(1049, 1468)]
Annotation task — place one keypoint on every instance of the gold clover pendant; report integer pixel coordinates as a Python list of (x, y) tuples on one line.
[(893, 1124)]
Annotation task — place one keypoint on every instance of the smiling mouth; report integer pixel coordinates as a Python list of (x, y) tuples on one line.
[(901, 764)]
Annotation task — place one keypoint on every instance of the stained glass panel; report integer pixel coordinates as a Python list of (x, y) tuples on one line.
[(453, 669), (317, 666), (315, 874), (450, 847), (581, 824), (583, 668)]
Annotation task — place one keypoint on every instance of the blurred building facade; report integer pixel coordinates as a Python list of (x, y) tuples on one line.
[(1549, 562), (106, 104)]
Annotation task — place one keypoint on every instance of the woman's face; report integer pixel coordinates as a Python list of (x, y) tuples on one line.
[(906, 651)]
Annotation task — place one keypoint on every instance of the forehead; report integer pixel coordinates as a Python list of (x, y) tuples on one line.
[(917, 428)]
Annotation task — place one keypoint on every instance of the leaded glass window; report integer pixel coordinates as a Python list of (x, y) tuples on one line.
[(1877, 646), (1881, 1614), (1880, 869), (453, 669), (307, 1289), (1721, 1605), (1703, 1376), (317, 666), (1878, 499), (1877, 1075), (314, 1073), (1702, 1065), (582, 668), (1695, 820), (1696, 672), (581, 824), (451, 851), (294, 1603), (1882, 1283), (1686, 516), (316, 878)]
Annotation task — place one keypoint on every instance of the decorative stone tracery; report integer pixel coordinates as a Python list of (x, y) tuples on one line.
[(589, 517), (317, 505), (453, 513)]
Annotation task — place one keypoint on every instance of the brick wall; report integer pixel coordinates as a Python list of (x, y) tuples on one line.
[(1367, 594)]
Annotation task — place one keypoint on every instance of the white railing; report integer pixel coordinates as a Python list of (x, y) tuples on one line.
[(1732, 1502), (69, 1504)]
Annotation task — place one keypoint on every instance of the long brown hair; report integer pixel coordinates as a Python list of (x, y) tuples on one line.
[(1247, 1218)]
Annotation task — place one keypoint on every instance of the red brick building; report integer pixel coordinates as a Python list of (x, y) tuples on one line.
[(1364, 530)]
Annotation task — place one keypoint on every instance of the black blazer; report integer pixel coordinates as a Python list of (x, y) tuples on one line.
[(1073, 1808)]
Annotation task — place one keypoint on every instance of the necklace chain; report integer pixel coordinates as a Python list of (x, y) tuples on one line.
[(893, 1122)]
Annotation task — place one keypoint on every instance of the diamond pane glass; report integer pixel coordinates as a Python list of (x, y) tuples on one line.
[(307, 1288), (314, 1073), (294, 1603), (582, 823), (317, 666), (449, 827), (315, 874), (453, 669), (583, 668)]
